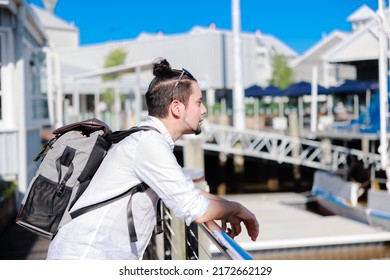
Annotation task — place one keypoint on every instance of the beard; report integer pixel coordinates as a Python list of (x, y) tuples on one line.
[(198, 130)]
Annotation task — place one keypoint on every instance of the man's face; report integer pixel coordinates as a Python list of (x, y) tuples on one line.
[(195, 111)]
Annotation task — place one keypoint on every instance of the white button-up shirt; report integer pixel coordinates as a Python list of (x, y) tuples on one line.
[(103, 233)]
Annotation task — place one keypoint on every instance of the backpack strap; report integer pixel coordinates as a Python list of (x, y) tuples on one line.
[(66, 160), (130, 221), (159, 225), (119, 135), (141, 187), (48, 145)]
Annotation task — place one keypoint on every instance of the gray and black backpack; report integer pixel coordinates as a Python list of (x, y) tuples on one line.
[(67, 164)]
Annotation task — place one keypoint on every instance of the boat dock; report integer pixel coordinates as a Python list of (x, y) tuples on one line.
[(289, 231)]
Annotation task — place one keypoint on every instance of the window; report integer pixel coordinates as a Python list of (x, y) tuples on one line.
[(38, 81)]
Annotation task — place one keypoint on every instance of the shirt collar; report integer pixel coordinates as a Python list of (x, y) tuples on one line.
[(155, 122)]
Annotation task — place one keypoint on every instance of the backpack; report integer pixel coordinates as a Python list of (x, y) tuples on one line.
[(68, 162)]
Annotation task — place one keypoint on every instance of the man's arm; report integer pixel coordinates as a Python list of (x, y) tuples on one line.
[(231, 212)]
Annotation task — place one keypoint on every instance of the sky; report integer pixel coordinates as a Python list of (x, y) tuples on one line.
[(298, 23)]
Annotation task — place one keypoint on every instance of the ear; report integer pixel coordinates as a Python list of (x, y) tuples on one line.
[(177, 108)]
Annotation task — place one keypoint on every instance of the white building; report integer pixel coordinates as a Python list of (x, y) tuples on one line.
[(313, 57), (343, 55), (361, 48), (23, 93)]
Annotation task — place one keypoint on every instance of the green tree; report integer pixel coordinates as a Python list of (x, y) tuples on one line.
[(114, 58), (281, 73)]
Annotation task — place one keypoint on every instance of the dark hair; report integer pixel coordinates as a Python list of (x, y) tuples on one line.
[(162, 90)]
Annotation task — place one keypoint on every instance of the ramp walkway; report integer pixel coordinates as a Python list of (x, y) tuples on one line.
[(281, 148)]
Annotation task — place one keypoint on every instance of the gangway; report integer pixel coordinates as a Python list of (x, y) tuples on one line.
[(281, 148)]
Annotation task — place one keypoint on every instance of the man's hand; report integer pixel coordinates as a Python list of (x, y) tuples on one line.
[(230, 212), (245, 216), (235, 226)]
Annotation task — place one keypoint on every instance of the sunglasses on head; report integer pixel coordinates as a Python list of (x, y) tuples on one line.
[(183, 72)]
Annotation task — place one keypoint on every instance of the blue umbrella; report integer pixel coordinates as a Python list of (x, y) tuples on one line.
[(254, 91), (301, 88), (351, 86), (272, 90)]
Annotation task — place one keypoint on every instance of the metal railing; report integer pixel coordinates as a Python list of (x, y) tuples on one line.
[(181, 242)]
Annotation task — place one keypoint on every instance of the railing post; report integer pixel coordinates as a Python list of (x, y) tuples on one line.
[(178, 239), (193, 155), (192, 246)]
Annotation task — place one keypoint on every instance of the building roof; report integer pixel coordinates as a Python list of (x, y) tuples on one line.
[(272, 42), (267, 40), (359, 46), (326, 40), (50, 21), (362, 14)]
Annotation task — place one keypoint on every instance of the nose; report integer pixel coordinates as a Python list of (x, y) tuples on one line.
[(203, 109)]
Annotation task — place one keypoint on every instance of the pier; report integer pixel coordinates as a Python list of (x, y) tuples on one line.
[(289, 231)]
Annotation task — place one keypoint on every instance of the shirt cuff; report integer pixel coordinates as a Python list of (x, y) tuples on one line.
[(197, 211)]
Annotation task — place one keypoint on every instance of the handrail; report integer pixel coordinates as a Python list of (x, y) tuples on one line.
[(180, 241), (229, 248)]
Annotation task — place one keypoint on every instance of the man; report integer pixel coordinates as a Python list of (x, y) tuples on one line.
[(175, 107)]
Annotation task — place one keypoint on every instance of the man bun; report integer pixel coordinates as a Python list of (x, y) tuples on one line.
[(162, 68)]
